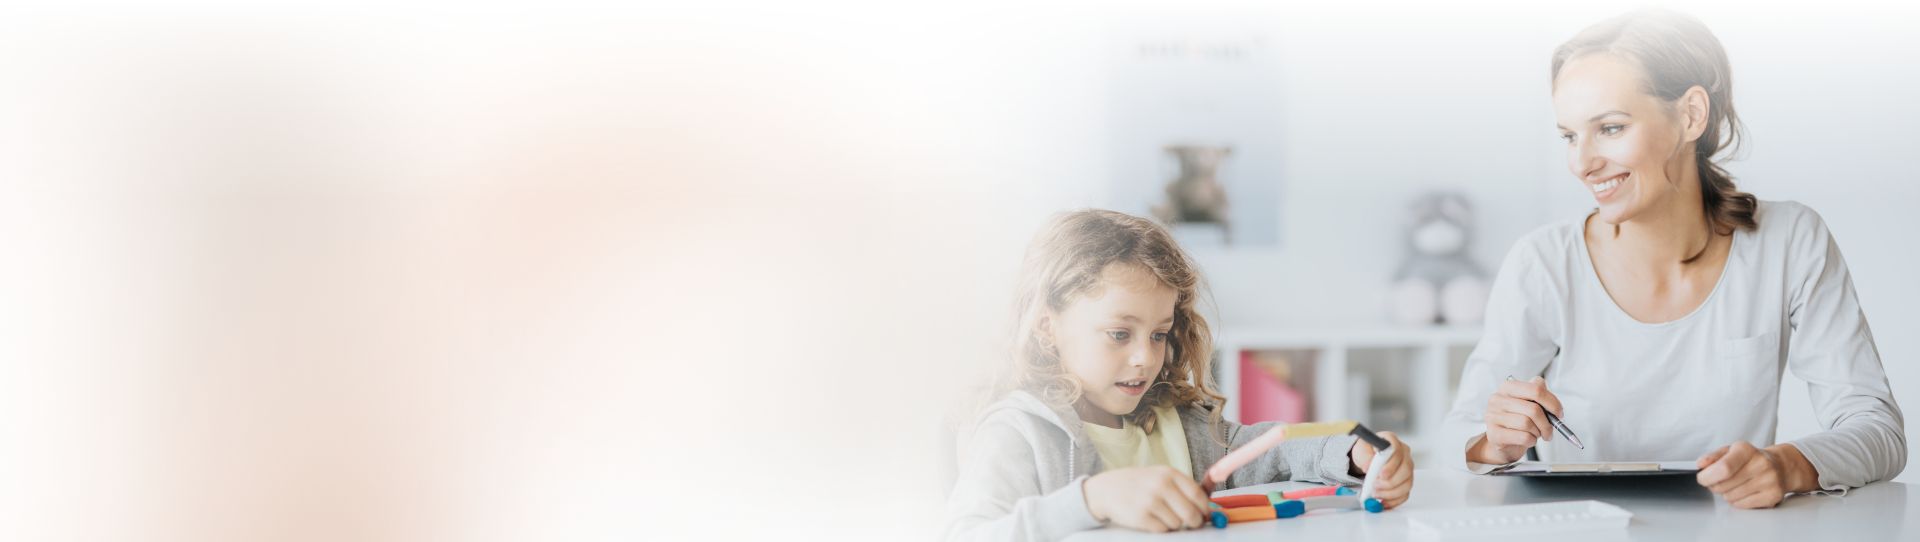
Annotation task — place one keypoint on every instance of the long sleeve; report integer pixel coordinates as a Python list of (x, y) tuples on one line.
[(1514, 342), (1830, 347), (997, 496), (1319, 459)]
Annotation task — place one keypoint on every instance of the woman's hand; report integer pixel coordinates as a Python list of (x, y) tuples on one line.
[(1750, 477), (1152, 499), (1515, 420), (1395, 480)]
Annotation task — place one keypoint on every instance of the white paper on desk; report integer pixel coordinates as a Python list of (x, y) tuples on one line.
[(1516, 520), (1543, 466)]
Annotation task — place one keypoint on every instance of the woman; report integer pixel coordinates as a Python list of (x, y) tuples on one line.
[(1657, 325)]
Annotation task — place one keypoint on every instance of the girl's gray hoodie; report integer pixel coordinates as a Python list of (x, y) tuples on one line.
[(1023, 462)]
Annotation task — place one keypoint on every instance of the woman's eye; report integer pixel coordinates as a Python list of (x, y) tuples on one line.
[(1121, 336), (1160, 337), (1567, 136), (1611, 129)]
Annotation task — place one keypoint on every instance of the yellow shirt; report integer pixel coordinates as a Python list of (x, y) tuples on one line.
[(1128, 446)]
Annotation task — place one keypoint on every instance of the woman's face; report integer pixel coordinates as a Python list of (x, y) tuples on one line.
[(1621, 141), (1113, 339)]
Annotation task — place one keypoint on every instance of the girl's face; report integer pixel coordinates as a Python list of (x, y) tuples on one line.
[(1113, 339), (1621, 141)]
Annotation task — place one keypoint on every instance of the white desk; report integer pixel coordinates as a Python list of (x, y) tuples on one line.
[(1668, 509)]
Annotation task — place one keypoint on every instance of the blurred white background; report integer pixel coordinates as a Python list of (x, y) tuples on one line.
[(597, 272)]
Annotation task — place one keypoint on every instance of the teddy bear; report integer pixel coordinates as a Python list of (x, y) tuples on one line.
[(1197, 196), (1439, 284)]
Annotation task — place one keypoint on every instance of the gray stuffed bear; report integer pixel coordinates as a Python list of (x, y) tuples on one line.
[(1439, 283)]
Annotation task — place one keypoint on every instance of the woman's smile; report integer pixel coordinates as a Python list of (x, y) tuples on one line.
[(1604, 191)]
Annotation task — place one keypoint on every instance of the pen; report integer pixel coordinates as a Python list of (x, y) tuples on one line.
[(1559, 425)]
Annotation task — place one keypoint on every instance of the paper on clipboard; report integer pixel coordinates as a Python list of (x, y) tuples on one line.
[(1543, 467)]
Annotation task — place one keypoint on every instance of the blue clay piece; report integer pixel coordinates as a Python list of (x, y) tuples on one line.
[(1287, 509), (1373, 505)]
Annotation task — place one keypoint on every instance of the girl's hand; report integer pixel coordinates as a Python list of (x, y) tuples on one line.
[(1515, 420), (1395, 480), (1152, 499), (1750, 477)]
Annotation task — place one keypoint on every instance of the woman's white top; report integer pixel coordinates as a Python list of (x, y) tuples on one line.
[(1676, 390)]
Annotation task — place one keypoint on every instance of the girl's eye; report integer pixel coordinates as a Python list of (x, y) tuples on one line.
[(1160, 337), (1611, 129), (1121, 336), (1567, 136)]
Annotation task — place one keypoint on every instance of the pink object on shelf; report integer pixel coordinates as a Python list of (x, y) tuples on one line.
[(1264, 398)]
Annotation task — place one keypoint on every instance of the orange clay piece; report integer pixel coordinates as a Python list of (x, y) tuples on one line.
[(1241, 501), (1249, 513)]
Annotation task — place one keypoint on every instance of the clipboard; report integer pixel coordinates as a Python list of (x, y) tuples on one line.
[(1609, 469)]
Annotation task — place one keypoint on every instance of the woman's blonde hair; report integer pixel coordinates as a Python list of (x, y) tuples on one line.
[(1066, 261), (1677, 53)]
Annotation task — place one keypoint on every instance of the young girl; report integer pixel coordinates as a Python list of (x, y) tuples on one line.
[(1109, 415)]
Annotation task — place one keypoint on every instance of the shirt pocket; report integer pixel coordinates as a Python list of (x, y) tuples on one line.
[(1749, 370)]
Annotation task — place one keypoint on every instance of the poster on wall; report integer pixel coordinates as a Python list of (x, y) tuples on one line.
[(1195, 126)]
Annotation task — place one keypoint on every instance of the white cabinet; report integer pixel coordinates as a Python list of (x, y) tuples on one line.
[(1399, 379)]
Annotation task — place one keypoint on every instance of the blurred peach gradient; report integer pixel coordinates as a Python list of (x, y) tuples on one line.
[(486, 272)]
